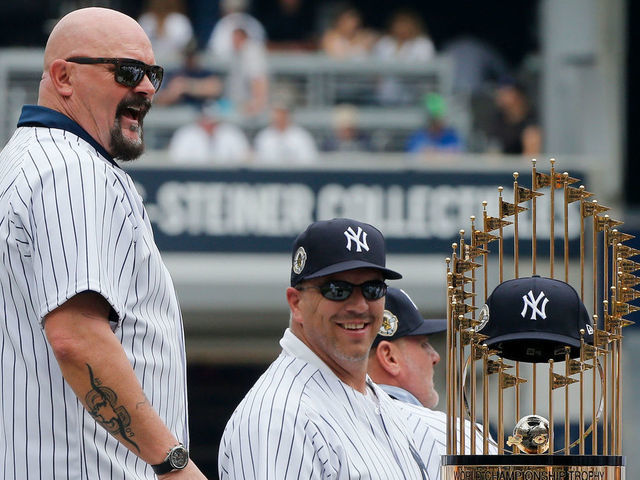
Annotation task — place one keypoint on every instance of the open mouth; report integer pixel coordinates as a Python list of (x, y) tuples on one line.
[(133, 110), (133, 113)]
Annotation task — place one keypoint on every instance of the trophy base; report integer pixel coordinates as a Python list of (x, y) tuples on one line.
[(533, 467)]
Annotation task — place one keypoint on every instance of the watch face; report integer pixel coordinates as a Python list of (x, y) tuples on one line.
[(179, 457)]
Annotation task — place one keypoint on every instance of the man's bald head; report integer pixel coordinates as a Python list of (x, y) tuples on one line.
[(94, 31), (110, 111)]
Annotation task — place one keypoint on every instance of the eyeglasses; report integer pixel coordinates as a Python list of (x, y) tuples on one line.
[(128, 72), (339, 290)]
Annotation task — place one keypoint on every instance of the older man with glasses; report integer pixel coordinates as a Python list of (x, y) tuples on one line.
[(93, 359), (314, 413)]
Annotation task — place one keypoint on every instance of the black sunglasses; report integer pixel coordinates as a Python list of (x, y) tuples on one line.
[(128, 72), (339, 290)]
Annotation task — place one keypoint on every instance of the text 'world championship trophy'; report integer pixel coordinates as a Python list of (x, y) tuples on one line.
[(560, 358)]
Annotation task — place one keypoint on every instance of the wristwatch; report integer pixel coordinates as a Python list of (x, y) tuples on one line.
[(177, 459)]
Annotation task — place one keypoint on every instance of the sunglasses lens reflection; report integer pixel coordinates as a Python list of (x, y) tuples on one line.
[(339, 290), (131, 75)]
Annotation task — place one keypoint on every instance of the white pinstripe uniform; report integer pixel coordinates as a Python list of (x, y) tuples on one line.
[(300, 421), (426, 425), (71, 221)]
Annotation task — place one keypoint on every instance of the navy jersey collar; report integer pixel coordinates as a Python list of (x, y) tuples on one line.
[(37, 116)]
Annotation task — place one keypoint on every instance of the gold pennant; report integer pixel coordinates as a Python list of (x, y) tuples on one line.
[(576, 366), (526, 194), (574, 194), (620, 237), (466, 336), (465, 322), (465, 295), (474, 251), (625, 308), (615, 223), (628, 294), (508, 381), (562, 381), (544, 180), (481, 350), (625, 251), (628, 280), (601, 338), (462, 308), (589, 351), (593, 208), (483, 237), (509, 209), (462, 266), (627, 266), (613, 322), (458, 280), (479, 338), (493, 366), (600, 223), (494, 223)]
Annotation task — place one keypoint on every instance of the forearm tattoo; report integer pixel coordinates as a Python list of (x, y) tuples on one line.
[(101, 404)]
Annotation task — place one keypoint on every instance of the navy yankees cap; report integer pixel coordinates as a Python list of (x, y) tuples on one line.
[(402, 318), (337, 245), (532, 319)]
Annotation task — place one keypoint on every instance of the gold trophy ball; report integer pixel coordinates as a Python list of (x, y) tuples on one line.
[(531, 434)]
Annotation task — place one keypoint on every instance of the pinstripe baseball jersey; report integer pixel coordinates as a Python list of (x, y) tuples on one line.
[(71, 221), (426, 425), (300, 421)]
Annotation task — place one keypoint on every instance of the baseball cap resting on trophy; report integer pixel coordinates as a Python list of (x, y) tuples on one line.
[(532, 319), (337, 245)]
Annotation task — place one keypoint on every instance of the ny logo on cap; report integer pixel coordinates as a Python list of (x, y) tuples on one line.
[(355, 236), (531, 301)]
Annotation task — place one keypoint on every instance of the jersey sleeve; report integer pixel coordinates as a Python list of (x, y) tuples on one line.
[(78, 220)]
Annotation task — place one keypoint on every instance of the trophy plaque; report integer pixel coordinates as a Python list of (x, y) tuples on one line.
[(535, 354)]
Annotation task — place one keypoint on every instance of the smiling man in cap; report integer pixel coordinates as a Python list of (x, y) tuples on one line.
[(402, 361), (314, 413)]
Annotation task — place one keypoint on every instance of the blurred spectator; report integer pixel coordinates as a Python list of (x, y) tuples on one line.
[(347, 38), (284, 142), (247, 85), (234, 16), (406, 39), (476, 64), (289, 25), (345, 136), (191, 83), (436, 135), (515, 128), (167, 26), (209, 139)]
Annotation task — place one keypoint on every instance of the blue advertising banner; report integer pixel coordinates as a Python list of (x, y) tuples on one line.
[(261, 211)]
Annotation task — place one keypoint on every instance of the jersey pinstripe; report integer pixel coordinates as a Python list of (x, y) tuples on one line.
[(426, 425), (300, 421), (71, 221)]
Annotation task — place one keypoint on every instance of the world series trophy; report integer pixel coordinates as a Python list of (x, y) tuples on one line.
[(540, 329)]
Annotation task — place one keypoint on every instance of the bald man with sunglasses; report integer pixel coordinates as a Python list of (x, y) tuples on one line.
[(92, 342), (314, 413)]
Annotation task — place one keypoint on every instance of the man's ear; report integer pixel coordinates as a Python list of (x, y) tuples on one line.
[(293, 299), (60, 75), (388, 358)]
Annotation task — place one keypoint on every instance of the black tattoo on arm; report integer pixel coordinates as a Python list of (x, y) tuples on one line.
[(101, 404)]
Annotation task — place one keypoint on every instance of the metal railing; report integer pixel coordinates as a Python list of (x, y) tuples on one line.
[(317, 83)]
